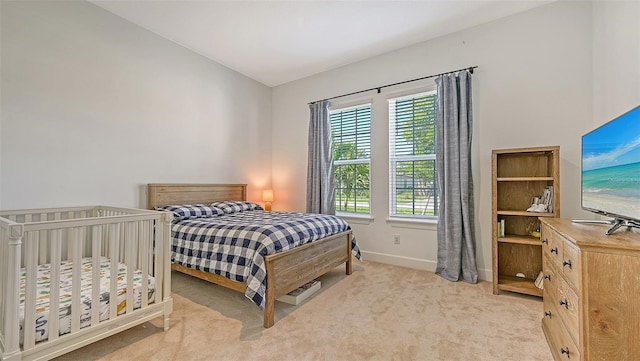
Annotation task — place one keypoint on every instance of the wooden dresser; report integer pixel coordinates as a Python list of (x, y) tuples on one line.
[(591, 291)]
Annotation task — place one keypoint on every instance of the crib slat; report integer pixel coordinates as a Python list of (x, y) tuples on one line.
[(140, 239), (31, 269), (96, 247), (54, 288), (157, 256), (123, 237), (76, 280), (136, 246), (150, 246), (129, 257), (143, 235), (160, 271), (149, 249), (105, 245), (44, 247), (114, 245)]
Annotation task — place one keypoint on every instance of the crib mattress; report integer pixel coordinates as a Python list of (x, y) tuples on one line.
[(64, 312)]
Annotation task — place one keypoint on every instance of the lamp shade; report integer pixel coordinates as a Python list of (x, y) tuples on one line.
[(267, 195)]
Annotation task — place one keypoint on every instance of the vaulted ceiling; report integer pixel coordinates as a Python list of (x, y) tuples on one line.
[(275, 42)]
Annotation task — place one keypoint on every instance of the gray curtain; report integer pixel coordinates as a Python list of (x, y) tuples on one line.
[(321, 196), (456, 234)]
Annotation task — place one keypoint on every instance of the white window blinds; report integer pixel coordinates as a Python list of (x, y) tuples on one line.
[(412, 158), (351, 135)]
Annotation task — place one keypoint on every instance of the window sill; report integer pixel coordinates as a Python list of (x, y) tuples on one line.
[(355, 218), (429, 224)]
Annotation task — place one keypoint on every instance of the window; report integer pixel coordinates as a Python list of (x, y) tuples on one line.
[(412, 156), (351, 135)]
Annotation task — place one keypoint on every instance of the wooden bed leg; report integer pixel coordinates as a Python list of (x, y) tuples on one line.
[(269, 299), (269, 318), (348, 264)]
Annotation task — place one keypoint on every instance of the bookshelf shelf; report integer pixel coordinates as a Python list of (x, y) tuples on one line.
[(524, 179), (519, 176), (519, 285), (530, 240), (525, 213)]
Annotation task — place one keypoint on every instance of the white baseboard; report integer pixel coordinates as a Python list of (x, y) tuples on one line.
[(415, 263)]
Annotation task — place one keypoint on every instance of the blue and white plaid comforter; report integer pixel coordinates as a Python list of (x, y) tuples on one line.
[(234, 245)]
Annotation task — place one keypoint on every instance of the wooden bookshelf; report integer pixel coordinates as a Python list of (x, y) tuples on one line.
[(519, 175)]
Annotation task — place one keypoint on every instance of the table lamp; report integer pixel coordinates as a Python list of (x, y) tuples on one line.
[(267, 198)]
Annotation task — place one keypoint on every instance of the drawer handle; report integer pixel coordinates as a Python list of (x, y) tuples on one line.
[(567, 263), (547, 314), (545, 241), (564, 303), (548, 276), (554, 250), (565, 350)]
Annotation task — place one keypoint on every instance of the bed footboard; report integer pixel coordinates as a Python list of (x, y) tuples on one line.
[(92, 244), (290, 270)]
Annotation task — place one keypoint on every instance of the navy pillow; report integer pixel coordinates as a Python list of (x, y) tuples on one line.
[(236, 206), (191, 211)]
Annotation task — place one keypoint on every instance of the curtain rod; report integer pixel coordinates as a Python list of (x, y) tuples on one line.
[(378, 88)]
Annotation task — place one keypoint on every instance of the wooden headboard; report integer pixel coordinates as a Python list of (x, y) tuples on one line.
[(176, 193)]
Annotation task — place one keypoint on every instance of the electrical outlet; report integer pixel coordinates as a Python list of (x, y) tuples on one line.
[(396, 239)]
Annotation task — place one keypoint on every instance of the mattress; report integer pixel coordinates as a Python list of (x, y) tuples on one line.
[(42, 318)]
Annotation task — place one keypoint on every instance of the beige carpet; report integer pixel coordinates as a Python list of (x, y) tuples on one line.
[(380, 312)]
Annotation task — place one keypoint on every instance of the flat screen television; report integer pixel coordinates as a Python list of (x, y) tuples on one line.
[(611, 170)]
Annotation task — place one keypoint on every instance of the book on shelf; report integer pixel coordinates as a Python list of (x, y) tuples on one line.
[(301, 293), (544, 203), (500, 228), (547, 198), (539, 282)]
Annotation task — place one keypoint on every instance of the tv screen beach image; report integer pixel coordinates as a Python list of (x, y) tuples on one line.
[(611, 167)]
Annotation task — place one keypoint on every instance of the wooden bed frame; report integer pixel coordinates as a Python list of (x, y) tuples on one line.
[(286, 270)]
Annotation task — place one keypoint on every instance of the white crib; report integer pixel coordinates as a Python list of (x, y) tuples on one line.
[(131, 242)]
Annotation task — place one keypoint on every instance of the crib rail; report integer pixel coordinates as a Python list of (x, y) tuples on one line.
[(136, 238)]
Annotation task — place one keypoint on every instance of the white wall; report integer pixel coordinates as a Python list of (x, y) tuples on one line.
[(616, 58), (532, 88), (94, 107)]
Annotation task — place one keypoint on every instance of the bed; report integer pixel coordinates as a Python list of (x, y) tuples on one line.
[(285, 270), (122, 277)]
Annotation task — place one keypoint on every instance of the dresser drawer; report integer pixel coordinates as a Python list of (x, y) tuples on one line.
[(571, 266), (552, 246), (568, 307), (549, 306), (551, 279), (563, 254), (561, 345)]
